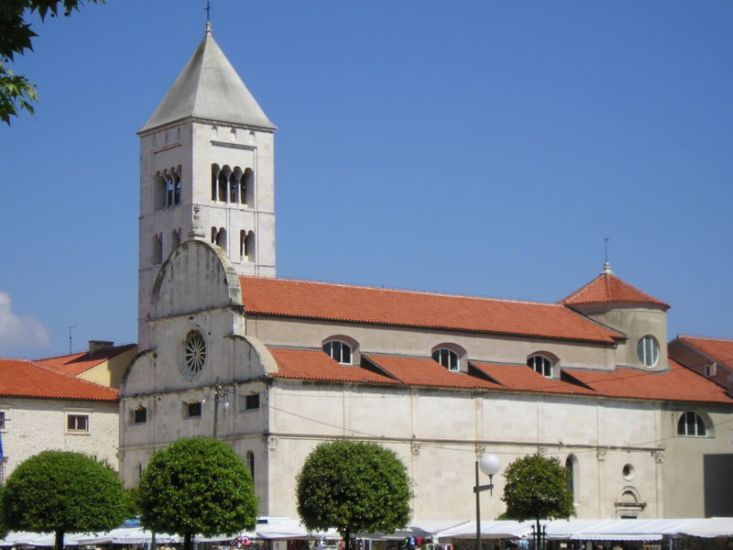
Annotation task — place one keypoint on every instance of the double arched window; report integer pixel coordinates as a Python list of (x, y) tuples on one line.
[(168, 188), (232, 185), (691, 424), (339, 351), (541, 364)]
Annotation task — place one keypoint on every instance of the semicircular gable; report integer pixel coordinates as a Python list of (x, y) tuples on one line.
[(196, 276)]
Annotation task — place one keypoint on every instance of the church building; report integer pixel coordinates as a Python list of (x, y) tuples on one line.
[(274, 367)]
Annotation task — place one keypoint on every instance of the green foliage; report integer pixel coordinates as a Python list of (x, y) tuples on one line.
[(132, 502), (16, 37), (354, 487), (63, 492), (536, 488), (197, 485)]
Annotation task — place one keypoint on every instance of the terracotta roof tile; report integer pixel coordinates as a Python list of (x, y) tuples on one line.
[(522, 378), (676, 384), (310, 300), (717, 349), (423, 371), (76, 363), (23, 378), (315, 365), (609, 289)]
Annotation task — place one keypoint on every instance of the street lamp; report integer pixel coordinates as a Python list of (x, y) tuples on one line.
[(490, 464)]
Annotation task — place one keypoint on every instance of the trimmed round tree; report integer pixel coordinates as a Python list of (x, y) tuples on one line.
[(355, 487), (536, 488), (197, 486), (63, 492)]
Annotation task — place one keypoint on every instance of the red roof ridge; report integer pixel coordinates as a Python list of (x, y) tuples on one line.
[(404, 291), (707, 338)]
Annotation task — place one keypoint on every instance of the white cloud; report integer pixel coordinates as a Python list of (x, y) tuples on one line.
[(18, 332)]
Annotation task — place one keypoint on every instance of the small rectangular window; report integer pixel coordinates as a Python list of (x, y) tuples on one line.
[(193, 409), (140, 415), (77, 422), (252, 402)]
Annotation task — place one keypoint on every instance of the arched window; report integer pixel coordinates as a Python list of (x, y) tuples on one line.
[(157, 248), (251, 463), (448, 358), (214, 179), (159, 190), (221, 238), (175, 238), (247, 245), (214, 231), (338, 351), (168, 191), (541, 365), (223, 183), (648, 350), (571, 470), (691, 424), (177, 186), (247, 187), (234, 185)]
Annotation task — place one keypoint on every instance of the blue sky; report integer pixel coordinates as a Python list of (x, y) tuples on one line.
[(472, 147)]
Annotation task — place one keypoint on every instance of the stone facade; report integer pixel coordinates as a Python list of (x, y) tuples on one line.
[(35, 425)]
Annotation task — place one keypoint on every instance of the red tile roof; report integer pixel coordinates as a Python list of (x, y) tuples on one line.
[(422, 371), (310, 300), (315, 365), (522, 378), (717, 349), (23, 378), (676, 384), (76, 363), (609, 289)]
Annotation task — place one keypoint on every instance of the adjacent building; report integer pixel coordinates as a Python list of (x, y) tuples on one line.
[(65, 403)]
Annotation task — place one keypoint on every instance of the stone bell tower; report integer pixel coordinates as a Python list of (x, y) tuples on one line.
[(206, 151)]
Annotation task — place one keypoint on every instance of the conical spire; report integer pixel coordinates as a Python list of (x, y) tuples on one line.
[(209, 88)]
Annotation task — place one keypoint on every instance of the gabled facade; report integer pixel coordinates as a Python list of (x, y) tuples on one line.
[(275, 367)]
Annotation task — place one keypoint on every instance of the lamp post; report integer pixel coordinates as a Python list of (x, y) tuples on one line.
[(490, 464)]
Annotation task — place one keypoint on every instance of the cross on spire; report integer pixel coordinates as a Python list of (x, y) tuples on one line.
[(208, 11), (606, 263)]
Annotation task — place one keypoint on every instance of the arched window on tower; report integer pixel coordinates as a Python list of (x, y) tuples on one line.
[(177, 186), (223, 183), (234, 185), (159, 191), (175, 239), (213, 235), (157, 248), (221, 238), (214, 180), (249, 246), (247, 187), (168, 190)]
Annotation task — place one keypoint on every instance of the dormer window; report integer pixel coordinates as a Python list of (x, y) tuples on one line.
[(338, 351), (448, 358), (648, 350), (541, 365), (691, 424)]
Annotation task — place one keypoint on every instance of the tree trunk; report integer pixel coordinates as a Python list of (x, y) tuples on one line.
[(187, 542), (538, 535), (347, 540), (59, 543)]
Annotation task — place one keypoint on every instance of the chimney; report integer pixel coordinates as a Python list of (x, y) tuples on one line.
[(99, 345)]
